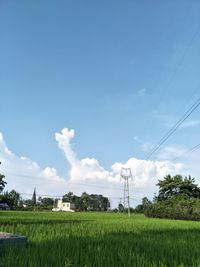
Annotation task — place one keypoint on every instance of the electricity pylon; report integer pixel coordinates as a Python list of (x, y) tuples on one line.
[(126, 174)]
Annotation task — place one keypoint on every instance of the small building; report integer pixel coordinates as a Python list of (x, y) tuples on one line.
[(64, 206)]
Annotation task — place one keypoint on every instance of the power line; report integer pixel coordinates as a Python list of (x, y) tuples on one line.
[(60, 182), (182, 58), (175, 126), (60, 196), (64, 182), (187, 151), (167, 87), (183, 55)]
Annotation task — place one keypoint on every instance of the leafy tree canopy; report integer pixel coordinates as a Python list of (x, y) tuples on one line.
[(46, 201), (2, 182), (12, 198), (86, 201), (177, 185), (146, 203)]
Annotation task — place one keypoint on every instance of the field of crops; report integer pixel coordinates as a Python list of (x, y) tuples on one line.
[(99, 239)]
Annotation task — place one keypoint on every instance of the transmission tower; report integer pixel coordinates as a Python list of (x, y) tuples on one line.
[(126, 175)]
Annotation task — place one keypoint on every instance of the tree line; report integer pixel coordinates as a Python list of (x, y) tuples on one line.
[(178, 198), (88, 202), (85, 202)]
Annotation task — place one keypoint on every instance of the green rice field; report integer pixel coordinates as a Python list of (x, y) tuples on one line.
[(99, 240)]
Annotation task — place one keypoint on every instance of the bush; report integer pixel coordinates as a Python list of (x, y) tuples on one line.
[(175, 208)]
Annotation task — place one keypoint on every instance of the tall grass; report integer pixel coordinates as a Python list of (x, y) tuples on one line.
[(99, 240)]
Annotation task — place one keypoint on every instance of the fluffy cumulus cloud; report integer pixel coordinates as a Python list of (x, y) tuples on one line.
[(85, 174), (23, 174), (88, 170)]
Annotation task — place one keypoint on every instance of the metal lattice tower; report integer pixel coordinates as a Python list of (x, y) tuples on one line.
[(126, 174)]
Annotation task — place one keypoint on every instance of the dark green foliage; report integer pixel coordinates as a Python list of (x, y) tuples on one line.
[(28, 202), (69, 197), (175, 208), (12, 198), (88, 202), (141, 208), (120, 207), (178, 198), (46, 201), (177, 185), (98, 203), (2, 182), (34, 198)]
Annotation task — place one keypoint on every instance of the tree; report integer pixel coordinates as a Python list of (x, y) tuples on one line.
[(14, 198), (68, 197), (47, 201), (146, 202), (91, 202), (84, 201), (178, 198), (34, 198), (141, 208), (98, 202), (177, 185), (177, 207), (28, 202), (2, 182), (120, 207)]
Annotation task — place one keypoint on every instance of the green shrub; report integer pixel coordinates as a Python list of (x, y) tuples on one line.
[(175, 208)]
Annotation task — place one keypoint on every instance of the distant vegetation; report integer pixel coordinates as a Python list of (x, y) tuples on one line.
[(99, 239), (86, 202), (2, 182), (178, 198)]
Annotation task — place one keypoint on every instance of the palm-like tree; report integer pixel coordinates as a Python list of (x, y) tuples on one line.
[(2, 182), (177, 185)]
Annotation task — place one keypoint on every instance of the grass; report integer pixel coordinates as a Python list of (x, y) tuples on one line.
[(99, 240)]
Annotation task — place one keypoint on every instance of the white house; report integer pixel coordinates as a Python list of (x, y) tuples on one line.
[(64, 206)]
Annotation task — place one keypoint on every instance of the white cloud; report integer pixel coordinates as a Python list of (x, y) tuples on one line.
[(23, 174), (147, 172), (88, 170), (80, 170), (85, 174)]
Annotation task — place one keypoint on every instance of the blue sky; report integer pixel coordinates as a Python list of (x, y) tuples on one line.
[(102, 69)]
